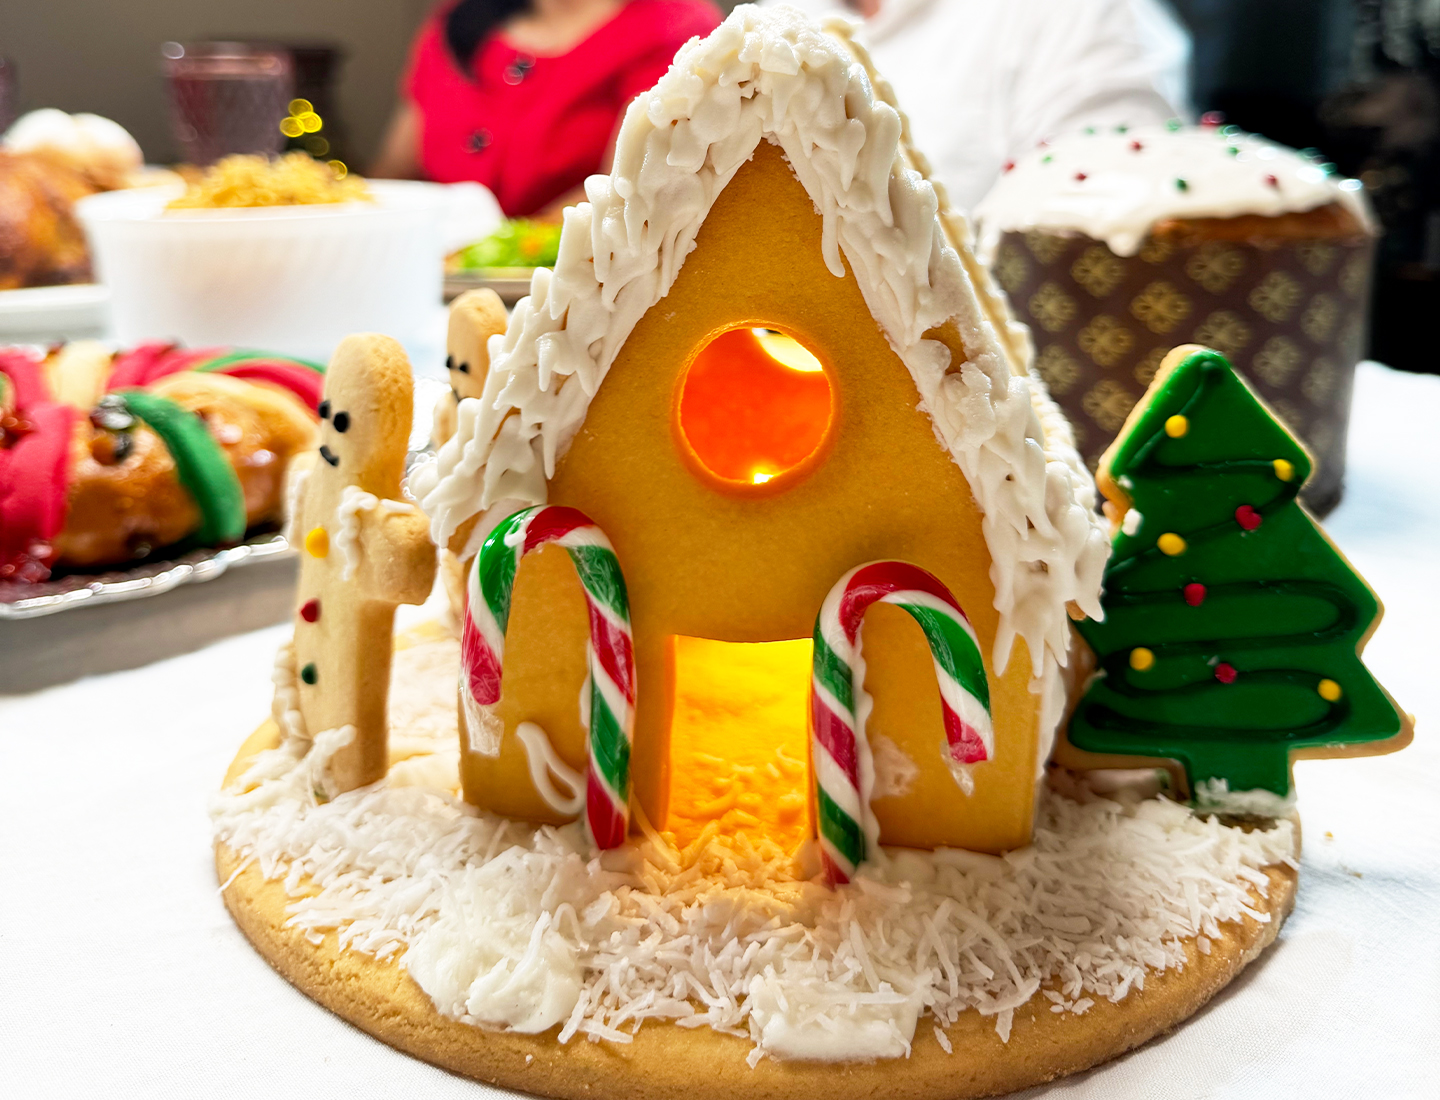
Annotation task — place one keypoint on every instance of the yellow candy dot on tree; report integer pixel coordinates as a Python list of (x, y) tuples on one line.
[(1329, 690), (317, 542), (1176, 426), (1171, 544), (1284, 470), (1141, 659)]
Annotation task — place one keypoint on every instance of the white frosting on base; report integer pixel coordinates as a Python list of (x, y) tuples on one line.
[(1215, 795), (346, 539), (1101, 185), (512, 926), (544, 761), (895, 773), (772, 75), (831, 1026), (500, 963)]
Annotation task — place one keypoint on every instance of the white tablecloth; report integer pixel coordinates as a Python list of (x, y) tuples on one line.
[(122, 975)]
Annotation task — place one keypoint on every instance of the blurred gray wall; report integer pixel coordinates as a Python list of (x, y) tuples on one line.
[(104, 55)]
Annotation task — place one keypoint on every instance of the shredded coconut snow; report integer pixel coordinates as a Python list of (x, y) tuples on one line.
[(508, 925), (773, 75)]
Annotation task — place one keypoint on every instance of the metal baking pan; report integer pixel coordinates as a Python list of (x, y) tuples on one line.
[(29, 601)]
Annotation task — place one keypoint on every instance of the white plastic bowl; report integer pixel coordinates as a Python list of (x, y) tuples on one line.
[(292, 279)]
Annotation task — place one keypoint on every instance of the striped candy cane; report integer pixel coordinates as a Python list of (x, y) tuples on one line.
[(610, 654), (843, 776)]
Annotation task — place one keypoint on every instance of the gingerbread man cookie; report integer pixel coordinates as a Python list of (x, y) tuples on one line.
[(475, 316), (363, 552)]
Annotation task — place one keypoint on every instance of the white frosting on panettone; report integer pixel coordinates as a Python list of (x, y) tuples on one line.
[(1114, 184), (773, 75)]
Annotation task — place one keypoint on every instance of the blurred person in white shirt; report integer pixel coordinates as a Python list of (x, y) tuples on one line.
[(983, 81)]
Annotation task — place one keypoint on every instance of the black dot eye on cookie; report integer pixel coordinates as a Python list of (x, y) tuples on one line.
[(324, 410), (341, 422)]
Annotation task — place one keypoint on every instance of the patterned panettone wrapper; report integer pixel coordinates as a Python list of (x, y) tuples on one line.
[(1292, 318)]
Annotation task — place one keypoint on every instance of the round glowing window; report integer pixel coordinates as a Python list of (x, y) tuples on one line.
[(755, 404)]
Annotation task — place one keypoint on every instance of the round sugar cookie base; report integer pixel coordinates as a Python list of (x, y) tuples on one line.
[(666, 1062)]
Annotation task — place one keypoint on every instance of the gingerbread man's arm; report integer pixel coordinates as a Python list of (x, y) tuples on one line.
[(397, 556)]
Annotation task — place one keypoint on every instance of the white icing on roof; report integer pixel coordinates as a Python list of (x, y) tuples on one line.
[(773, 75), (1114, 184), (518, 927)]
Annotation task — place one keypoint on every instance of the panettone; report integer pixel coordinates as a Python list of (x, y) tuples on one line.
[(1116, 245)]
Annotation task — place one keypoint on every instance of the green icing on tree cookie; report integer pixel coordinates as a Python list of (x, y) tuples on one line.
[(1232, 624)]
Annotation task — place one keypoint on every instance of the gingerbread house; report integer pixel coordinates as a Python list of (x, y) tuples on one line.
[(762, 360)]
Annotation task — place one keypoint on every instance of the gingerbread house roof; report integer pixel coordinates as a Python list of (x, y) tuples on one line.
[(773, 75)]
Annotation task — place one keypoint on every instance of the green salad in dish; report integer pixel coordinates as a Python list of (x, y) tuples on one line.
[(517, 243)]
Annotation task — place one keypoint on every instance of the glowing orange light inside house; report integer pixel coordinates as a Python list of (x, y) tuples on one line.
[(738, 739), (755, 404)]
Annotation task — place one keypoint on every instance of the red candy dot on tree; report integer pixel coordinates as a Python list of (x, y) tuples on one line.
[(1225, 672), (310, 610), (1194, 594), (1273, 181), (1136, 146), (1247, 517), (1081, 177), (1009, 164)]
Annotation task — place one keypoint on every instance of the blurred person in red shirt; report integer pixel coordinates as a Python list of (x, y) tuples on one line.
[(525, 96)]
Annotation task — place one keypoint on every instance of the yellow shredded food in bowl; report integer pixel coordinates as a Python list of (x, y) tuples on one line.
[(295, 179)]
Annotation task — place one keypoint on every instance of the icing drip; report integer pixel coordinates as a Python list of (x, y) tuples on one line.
[(1014, 334), (772, 75), (295, 480), (1114, 185), (544, 761), (285, 706), (346, 540)]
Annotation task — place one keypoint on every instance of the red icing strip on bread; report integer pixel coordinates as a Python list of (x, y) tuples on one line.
[(26, 376), (148, 363), (34, 477), (303, 382)]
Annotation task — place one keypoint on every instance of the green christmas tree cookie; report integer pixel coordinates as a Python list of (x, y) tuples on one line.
[(1233, 626)]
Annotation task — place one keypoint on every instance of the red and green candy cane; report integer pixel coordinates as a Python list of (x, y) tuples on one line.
[(610, 655), (841, 771)]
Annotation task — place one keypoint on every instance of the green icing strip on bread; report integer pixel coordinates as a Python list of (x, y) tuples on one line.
[(200, 463), (239, 356)]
